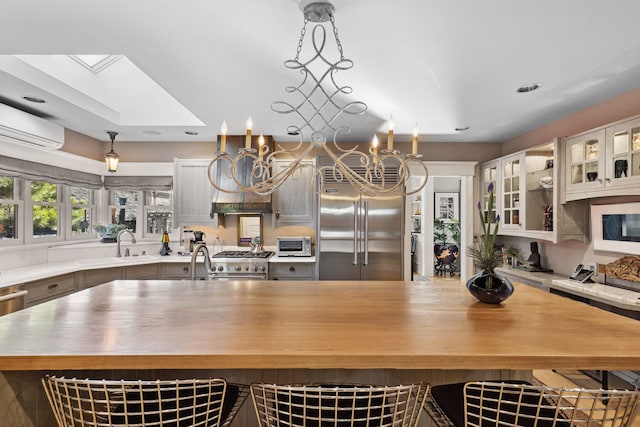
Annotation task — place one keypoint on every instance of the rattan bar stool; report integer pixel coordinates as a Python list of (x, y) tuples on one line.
[(338, 405), (106, 403), (497, 404)]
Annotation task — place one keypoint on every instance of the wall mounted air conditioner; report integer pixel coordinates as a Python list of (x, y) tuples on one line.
[(26, 129)]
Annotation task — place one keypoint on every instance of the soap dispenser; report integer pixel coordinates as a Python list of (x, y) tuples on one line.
[(165, 249)]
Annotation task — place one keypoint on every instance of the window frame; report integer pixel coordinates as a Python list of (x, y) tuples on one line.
[(18, 202), (148, 206), (99, 205), (29, 203), (93, 217), (141, 210)]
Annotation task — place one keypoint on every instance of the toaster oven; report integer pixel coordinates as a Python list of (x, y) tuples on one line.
[(293, 246)]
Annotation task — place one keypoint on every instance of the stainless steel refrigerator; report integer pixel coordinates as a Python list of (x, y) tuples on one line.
[(360, 237)]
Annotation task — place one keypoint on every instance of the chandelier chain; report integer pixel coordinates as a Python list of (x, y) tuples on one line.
[(335, 33), (303, 32)]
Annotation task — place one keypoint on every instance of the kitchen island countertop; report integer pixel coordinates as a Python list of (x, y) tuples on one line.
[(156, 324)]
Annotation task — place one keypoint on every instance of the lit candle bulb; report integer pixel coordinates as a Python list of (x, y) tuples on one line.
[(223, 136), (414, 145), (374, 144), (247, 143), (390, 135), (260, 145)]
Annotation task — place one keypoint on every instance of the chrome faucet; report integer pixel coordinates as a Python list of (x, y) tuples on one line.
[(118, 238), (207, 261)]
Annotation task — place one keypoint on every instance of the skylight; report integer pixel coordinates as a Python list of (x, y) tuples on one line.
[(95, 63)]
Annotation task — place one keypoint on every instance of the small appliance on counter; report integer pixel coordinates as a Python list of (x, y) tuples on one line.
[(293, 246), (195, 237)]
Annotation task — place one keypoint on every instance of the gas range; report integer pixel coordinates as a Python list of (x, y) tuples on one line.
[(240, 265)]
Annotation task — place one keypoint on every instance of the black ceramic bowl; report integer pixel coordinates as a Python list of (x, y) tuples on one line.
[(591, 176)]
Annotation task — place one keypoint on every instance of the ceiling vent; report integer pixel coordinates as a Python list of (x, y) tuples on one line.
[(26, 129), (390, 172)]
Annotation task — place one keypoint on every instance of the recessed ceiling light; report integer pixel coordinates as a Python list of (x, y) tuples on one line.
[(462, 128), (190, 132), (34, 99), (151, 132), (528, 88)]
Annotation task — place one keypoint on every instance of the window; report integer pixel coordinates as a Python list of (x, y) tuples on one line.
[(123, 208), (153, 206), (83, 212), (41, 211), (46, 208), (158, 212), (9, 209)]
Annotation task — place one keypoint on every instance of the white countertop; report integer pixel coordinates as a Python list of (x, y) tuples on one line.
[(623, 298), (617, 297), (42, 271), (292, 259)]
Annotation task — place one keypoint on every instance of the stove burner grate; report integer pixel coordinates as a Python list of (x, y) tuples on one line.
[(242, 254)]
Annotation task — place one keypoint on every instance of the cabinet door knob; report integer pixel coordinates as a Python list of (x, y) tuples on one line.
[(292, 269), (278, 214), (185, 269)]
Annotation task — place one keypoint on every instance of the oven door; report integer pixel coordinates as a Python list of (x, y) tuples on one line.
[(290, 246)]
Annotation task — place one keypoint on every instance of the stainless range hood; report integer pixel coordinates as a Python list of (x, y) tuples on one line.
[(234, 203)]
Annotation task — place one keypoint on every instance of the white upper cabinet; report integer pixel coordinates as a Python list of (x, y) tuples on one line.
[(528, 196), (622, 165), (192, 193), (489, 174), (511, 180), (603, 162), (294, 201), (584, 164)]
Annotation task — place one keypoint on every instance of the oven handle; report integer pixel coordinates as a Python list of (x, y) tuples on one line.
[(13, 295), (238, 277)]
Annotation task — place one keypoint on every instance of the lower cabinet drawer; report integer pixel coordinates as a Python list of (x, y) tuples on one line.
[(100, 276), (182, 271), (48, 289), (297, 271), (148, 271)]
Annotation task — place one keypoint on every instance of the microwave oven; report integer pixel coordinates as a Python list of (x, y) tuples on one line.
[(616, 227), (293, 246)]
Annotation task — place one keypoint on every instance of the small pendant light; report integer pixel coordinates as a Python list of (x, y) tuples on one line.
[(111, 158)]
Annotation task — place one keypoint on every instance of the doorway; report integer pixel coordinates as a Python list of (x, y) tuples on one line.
[(447, 202)]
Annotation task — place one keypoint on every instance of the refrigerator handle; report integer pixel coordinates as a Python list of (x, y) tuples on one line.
[(355, 233), (366, 233)]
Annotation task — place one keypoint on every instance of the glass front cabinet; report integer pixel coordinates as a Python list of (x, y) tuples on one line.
[(511, 180), (622, 164), (584, 167), (603, 162), (529, 196), (489, 174)]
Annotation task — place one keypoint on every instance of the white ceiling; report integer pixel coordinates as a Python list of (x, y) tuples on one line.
[(440, 63)]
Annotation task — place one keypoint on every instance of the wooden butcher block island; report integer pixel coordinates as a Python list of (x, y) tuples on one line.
[(292, 332), (280, 324)]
